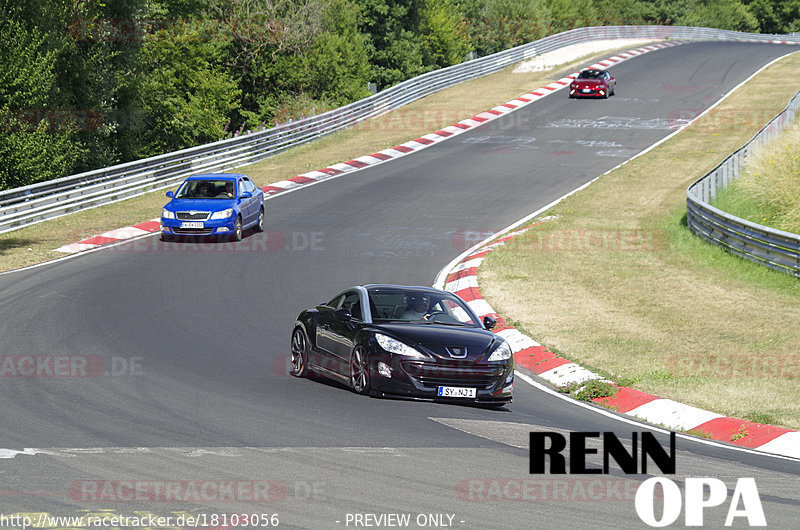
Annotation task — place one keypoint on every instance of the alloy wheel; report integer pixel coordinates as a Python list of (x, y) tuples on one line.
[(299, 354), (359, 371)]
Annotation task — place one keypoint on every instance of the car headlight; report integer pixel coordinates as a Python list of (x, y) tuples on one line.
[(224, 214), (395, 346), (166, 214), (502, 353)]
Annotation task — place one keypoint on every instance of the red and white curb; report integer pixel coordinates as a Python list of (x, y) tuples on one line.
[(113, 236), (462, 279), (380, 157)]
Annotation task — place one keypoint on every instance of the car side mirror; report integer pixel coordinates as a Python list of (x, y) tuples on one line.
[(342, 315), (170, 194), (489, 322), (246, 195)]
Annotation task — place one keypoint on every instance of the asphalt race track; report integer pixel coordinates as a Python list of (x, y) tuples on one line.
[(178, 352)]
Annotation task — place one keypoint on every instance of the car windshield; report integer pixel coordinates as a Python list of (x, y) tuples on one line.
[(590, 74), (206, 189), (410, 305)]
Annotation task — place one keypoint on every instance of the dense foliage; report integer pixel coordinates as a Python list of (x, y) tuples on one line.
[(90, 83)]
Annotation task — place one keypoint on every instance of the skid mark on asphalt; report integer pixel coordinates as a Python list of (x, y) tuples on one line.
[(619, 122)]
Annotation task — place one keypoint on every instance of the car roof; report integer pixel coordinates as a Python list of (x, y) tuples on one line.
[(430, 290), (219, 176)]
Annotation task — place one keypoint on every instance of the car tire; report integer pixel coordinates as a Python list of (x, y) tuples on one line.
[(260, 224), (359, 371), (299, 349), (237, 229)]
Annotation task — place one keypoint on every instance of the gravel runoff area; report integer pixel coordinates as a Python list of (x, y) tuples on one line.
[(571, 53)]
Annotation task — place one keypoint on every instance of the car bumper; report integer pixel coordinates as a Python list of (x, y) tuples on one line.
[(493, 382), (593, 93), (209, 228)]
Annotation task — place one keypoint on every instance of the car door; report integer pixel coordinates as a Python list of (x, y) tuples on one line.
[(255, 200), (335, 337), (322, 329), (344, 332), (246, 205), (610, 81)]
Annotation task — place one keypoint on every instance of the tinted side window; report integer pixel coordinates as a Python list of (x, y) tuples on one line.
[(334, 303), (353, 303)]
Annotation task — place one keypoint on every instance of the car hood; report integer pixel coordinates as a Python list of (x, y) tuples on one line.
[(202, 205), (441, 340), (590, 82)]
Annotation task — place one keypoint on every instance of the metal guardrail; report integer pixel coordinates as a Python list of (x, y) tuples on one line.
[(771, 247), (31, 204)]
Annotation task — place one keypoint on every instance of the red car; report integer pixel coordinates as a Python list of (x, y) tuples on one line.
[(592, 82)]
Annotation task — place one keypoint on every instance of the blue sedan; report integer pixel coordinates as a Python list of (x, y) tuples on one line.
[(213, 204)]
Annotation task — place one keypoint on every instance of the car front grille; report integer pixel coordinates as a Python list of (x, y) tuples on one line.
[(192, 230), (192, 216), (462, 374)]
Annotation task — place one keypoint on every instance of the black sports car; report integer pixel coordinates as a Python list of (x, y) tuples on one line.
[(409, 341)]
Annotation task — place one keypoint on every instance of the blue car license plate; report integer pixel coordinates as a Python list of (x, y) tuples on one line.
[(456, 392), (191, 224)]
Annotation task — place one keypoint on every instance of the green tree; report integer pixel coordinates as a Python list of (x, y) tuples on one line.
[(185, 96), (444, 32), (775, 16), (97, 71), (38, 130), (395, 45), (723, 14), (291, 57), (624, 12), (496, 25), (569, 14), (336, 66)]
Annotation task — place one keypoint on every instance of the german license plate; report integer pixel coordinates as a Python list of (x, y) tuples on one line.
[(586, 90), (191, 224), (456, 392)]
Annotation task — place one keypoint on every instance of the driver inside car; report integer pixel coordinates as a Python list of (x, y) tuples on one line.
[(416, 308)]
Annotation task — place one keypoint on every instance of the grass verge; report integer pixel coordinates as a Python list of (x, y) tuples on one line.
[(35, 244), (617, 281), (766, 190)]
